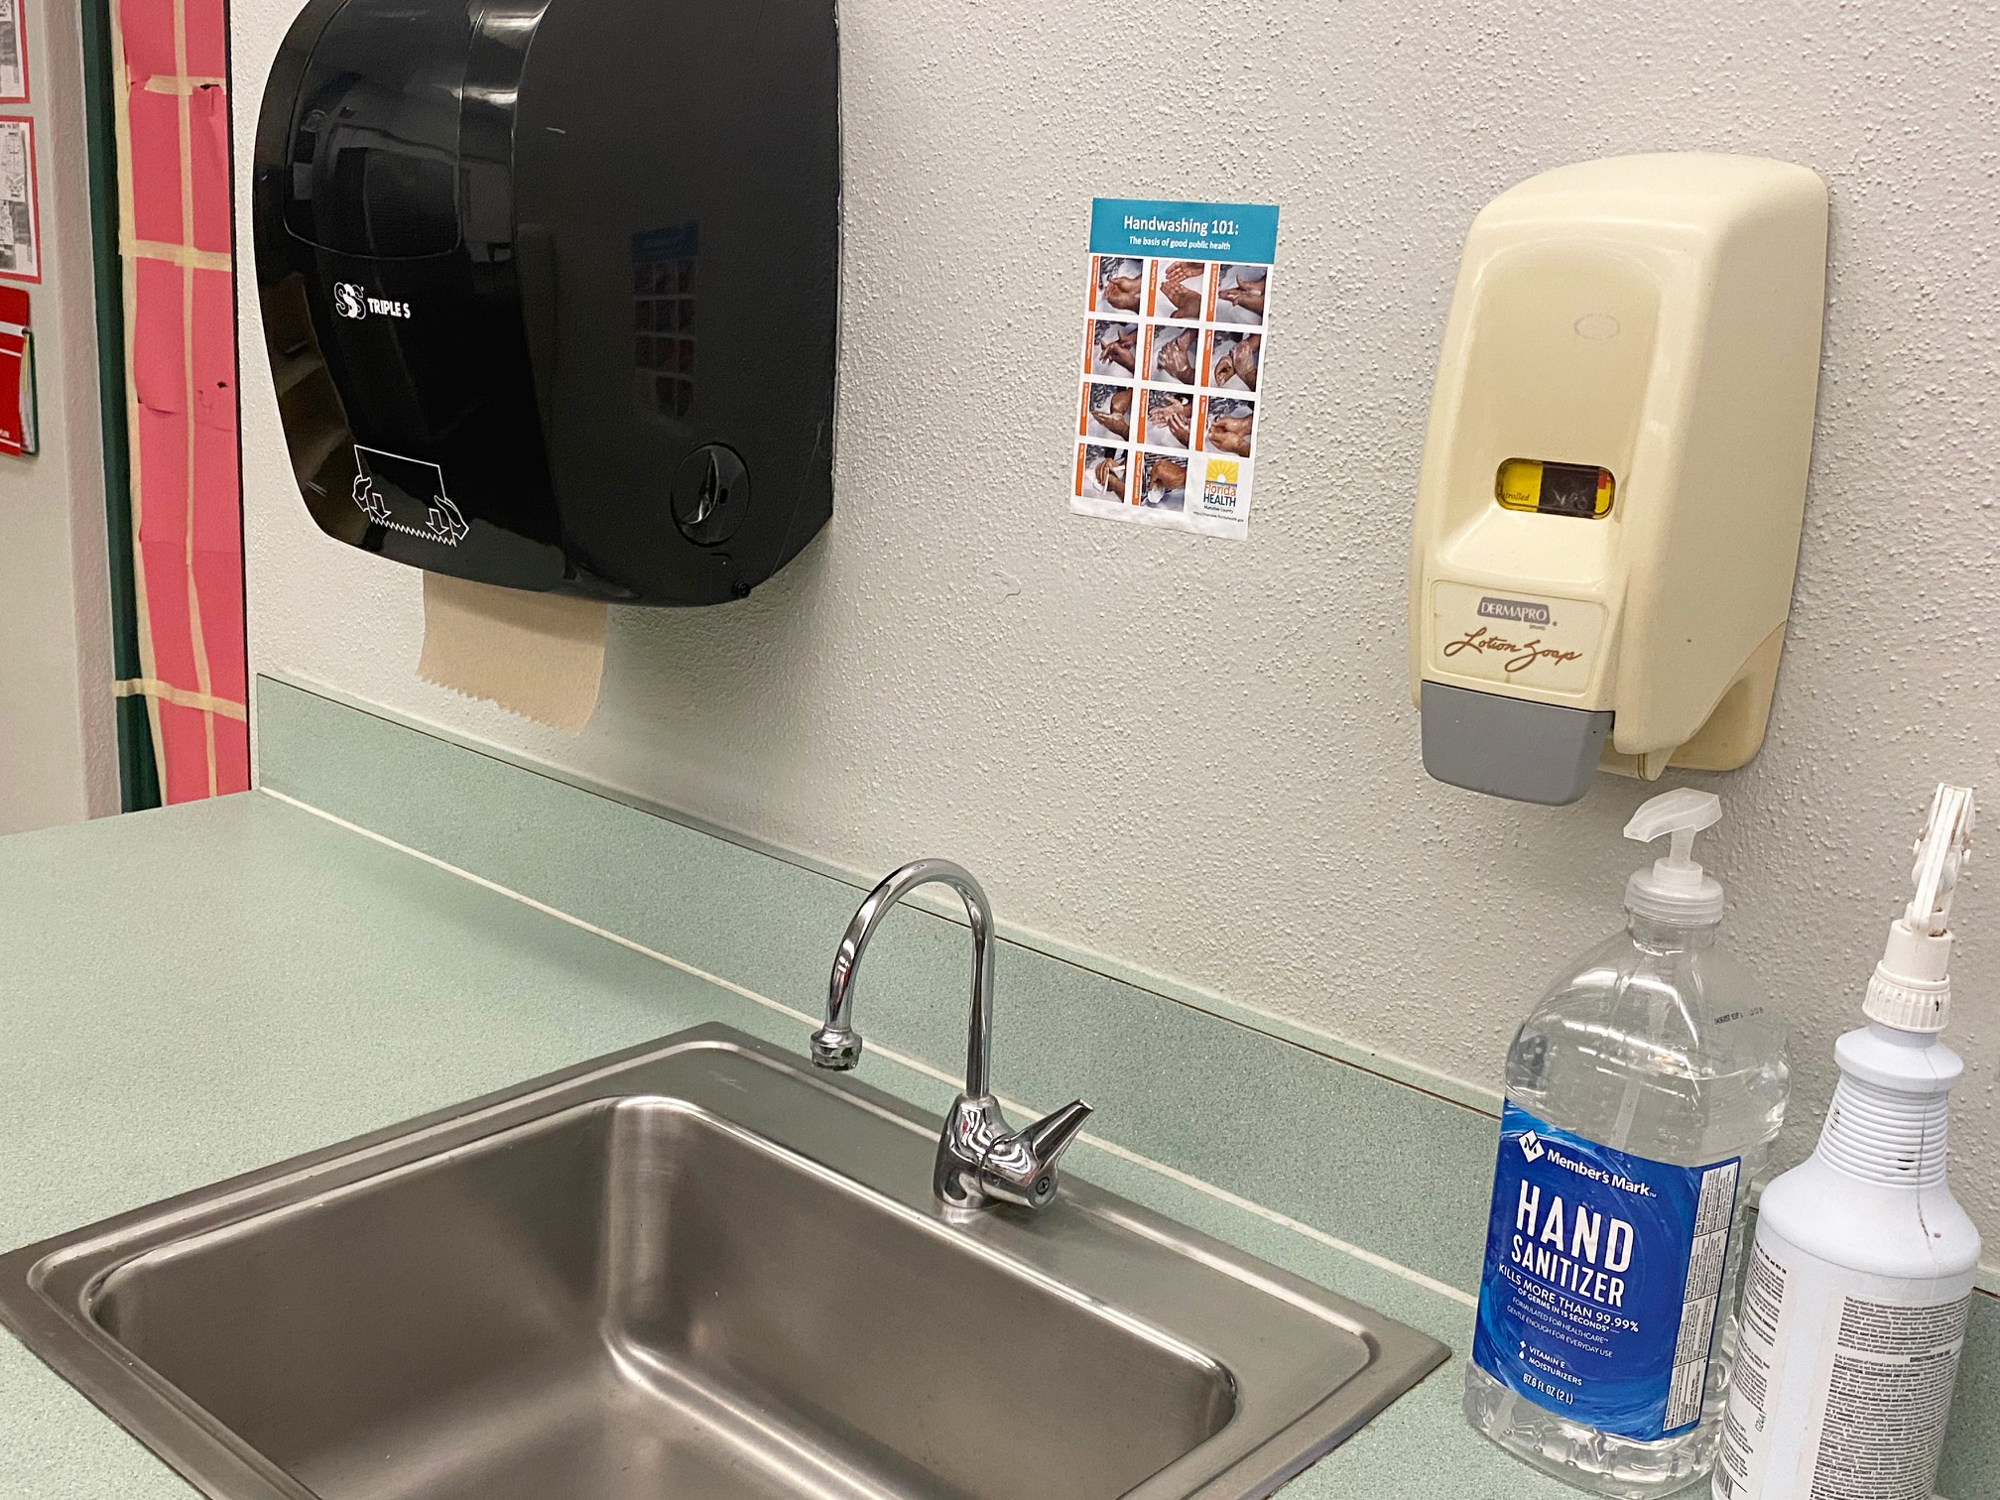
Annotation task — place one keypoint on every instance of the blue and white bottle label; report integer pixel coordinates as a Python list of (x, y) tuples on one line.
[(1603, 1272)]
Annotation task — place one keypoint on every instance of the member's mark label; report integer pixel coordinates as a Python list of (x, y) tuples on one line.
[(1602, 1278)]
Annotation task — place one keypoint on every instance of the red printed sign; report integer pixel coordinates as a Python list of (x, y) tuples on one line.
[(17, 373)]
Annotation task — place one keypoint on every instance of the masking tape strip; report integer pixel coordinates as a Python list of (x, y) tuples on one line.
[(180, 255), (166, 692)]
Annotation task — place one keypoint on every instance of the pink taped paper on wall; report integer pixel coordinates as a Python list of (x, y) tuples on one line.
[(205, 24), (208, 151), (169, 619), (189, 525), (232, 756), (218, 519), (184, 737), (159, 374), (155, 143), (218, 529), (215, 356), (146, 28), (218, 586), (162, 548), (163, 477)]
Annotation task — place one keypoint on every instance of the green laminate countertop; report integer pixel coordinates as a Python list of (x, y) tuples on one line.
[(194, 992)]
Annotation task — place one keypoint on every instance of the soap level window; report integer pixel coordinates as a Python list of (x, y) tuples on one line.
[(1555, 489)]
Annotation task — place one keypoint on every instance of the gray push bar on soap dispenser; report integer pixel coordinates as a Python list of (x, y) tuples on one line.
[(1614, 475), (550, 287)]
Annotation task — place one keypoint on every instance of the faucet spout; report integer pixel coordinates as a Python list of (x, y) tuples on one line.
[(980, 1160), (837, 1044)]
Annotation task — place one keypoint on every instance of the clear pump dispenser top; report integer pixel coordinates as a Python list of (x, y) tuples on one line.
[(1674, 888)]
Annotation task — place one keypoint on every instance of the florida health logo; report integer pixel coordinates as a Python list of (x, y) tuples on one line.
[(1219, 487), (1531, 1146)]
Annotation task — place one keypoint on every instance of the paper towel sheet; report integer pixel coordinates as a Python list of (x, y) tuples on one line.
[(538, 655)]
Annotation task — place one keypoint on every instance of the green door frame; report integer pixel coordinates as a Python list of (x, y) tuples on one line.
[(138, 774)]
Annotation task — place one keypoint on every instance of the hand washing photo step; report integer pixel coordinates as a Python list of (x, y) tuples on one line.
[(1239, 295), (1164, 481), (1168, 419), (1102, 473), (1234, 362), (1110, 348), (1178, 288), (1107, 412), (1173, 353), (1227, 424), (1117, 284)]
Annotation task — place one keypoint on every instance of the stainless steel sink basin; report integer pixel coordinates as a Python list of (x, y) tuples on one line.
[(691, 1271)]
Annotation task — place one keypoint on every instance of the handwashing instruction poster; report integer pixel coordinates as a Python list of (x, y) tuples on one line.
[(1176, 314)]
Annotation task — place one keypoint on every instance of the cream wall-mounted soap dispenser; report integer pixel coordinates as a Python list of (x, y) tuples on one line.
[(1614, 474)]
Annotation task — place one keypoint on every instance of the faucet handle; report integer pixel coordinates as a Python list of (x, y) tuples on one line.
[(1051, 1135), (1021, 1168)]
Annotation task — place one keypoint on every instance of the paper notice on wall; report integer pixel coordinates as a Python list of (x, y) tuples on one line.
[(13, 56), (20, 248), (1170, 411)]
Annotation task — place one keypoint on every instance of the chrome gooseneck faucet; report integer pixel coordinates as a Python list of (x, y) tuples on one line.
[(980, 1161)]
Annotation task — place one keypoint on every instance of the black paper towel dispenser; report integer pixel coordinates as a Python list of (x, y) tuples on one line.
[(550, 287)]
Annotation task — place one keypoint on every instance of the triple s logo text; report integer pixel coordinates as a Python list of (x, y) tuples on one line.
[(351, 300), (1519, 655)]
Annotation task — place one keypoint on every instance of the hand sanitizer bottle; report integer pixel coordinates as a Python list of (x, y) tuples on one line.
[(1643, 1094), (1862, 1275)]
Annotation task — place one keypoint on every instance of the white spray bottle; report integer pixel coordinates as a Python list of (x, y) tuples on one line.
[(1854, 1309)]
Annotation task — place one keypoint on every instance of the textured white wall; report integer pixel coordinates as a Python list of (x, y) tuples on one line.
[(1200, 757), (58, 741)]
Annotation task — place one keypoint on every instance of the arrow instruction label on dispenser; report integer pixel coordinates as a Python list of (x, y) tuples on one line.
[(1176, 313), (407, 495), (1602, 1278)]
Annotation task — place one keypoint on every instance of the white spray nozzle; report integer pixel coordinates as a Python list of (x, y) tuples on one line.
[(1911, 987), (1942, 850), (1675, 889)]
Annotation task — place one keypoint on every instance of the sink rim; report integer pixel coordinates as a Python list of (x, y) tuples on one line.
[(48, 1289)]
